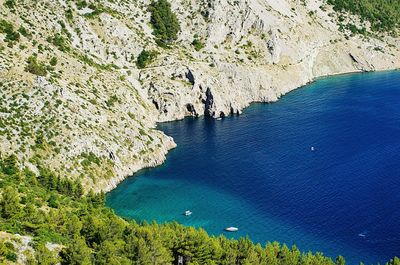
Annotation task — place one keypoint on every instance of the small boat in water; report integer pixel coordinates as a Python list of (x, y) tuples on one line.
[(312, 149), (187, 213), (231, 229), (363, 234)]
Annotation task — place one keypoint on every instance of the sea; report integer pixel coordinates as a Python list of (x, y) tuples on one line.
[(319, 169)]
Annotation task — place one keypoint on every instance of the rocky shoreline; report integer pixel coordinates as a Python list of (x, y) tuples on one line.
[(76, 103), (160, 158)]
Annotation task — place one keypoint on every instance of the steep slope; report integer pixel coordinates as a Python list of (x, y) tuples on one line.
[(75, 102)]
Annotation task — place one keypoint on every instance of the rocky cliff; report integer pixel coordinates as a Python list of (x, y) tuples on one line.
[(74, 101)]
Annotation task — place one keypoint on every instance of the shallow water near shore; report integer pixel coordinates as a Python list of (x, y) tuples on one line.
[(257, 172)]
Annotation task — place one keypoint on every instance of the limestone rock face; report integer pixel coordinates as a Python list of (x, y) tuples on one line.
[(209, 104), (361, 64), (273, 47), (95, 102)]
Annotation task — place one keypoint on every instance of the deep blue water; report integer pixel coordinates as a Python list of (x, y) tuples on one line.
[(257, 172)]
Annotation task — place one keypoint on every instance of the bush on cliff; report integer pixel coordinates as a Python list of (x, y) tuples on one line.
[(35, 67), (145, 58), (165, 24)]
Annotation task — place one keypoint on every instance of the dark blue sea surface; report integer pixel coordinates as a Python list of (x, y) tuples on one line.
[(257, 172)]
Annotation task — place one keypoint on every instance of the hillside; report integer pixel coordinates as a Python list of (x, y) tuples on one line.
[(83, 84), (76, 103)]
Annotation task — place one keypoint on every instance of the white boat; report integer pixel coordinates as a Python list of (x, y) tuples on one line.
[(218, 119), (231, 229), (363, 234), (187, 213), (312, 149)]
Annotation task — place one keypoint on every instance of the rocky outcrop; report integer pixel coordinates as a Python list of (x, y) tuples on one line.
[(209, 105), (273, 47), (361, 65), (22, 246)]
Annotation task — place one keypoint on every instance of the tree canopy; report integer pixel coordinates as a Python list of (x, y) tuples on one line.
[(165, 24), (384, 15), (53, 209)]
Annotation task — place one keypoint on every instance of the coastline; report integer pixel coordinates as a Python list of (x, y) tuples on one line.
[(160, 158), (271, 143), (103, 107)]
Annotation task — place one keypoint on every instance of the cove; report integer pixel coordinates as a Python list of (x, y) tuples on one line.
[(257, 172)]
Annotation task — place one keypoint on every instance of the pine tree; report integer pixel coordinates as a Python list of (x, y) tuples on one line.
[(165, 24), (77, 253), (9, 204)]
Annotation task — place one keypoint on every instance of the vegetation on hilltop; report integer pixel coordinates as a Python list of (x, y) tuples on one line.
[(384, 15)]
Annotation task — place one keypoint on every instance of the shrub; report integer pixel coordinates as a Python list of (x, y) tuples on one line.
[(145, 58), (165, 24), (97, 10), (90, 158), (69, 15), (11, 256), (198, 45), (35, 67), (59, 41), (52, 201), (9, 203), (8, 29), (53, 61), (24, 32), (111, 101), (10, 166), (10, 4), (81, 4)]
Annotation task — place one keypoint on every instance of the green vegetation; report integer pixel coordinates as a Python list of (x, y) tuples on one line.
[(165, 24), (96, 7), (84, 58), (61, 42), (10, 4), (35, 67), (111, 101), (81, 4), (198, 45), (24, 32), (53, 61), (384, 15), (8, 29), (89, 158), (145, 58), (53, 209), (69, 15), (7, 252)]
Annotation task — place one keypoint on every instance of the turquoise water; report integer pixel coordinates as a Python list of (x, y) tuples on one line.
[(257, 172)]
